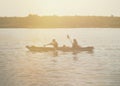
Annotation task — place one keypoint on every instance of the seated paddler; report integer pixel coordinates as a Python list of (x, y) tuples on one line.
[(54, 43)]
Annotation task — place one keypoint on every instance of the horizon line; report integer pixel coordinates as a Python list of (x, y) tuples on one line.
[(33, 14)]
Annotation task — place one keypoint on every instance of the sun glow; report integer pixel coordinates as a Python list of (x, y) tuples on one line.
[(55, 7), (73, 7), (60, 7)]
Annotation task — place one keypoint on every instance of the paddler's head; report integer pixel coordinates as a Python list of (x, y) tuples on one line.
[(53, 40)]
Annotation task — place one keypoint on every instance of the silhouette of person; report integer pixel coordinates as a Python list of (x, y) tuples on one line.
[(54, 43), (75, 44)]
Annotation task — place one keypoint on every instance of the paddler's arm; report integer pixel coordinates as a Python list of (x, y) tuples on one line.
[(48, 44)]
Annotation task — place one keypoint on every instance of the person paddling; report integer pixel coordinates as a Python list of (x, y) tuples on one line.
[(54, 43), (75, 44)]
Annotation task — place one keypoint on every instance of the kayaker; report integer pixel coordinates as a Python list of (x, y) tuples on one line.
[(54, 43), (75, 44)]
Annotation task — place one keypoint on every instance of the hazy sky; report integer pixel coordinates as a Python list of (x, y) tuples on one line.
[(59, 7)]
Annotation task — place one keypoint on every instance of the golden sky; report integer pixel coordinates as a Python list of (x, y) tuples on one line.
[(59, 7)]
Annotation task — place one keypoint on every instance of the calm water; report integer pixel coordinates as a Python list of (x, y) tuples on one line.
[(19, 67)]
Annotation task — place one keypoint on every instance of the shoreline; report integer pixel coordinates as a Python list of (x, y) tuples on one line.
[(35, 21), (63, 28)]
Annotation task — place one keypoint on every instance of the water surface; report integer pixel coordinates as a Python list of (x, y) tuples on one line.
[(19, 67)]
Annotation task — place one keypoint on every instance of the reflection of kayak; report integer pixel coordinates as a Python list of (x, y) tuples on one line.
[(64, 49)]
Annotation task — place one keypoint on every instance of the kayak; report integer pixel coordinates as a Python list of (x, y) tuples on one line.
[(63, 49)]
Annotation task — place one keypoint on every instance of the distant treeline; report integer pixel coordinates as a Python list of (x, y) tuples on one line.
[(34, 21)]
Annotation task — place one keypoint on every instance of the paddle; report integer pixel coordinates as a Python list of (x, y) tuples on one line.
[(45, 45), (69, 39)]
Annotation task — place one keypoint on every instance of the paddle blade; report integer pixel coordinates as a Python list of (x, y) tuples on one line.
[(68, 36)]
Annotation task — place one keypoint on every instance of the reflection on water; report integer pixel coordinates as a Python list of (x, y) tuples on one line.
[(19, 67)]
